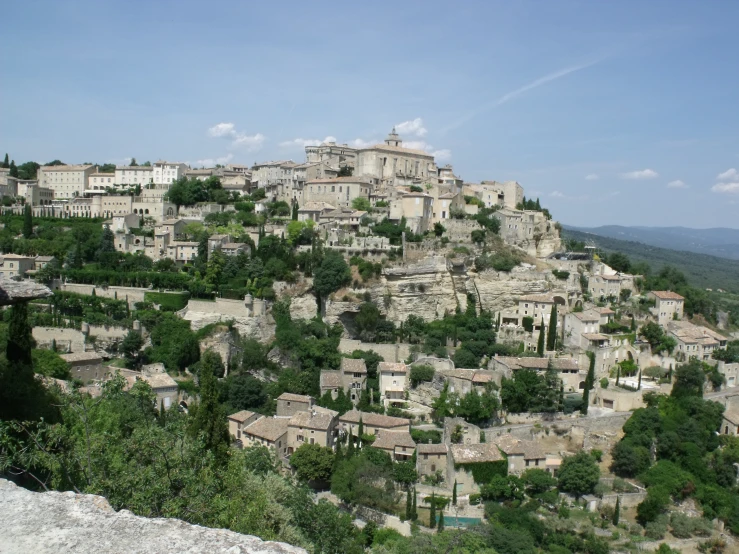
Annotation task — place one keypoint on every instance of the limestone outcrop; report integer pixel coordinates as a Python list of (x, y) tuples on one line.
[(15, 292), (60, 523)]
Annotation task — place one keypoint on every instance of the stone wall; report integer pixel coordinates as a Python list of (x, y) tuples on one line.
[(64, 522), (67, 340), (391, 352), (439, 364), (132, 294)]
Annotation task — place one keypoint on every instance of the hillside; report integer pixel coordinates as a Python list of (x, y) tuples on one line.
[(702, 270), (720, 241)]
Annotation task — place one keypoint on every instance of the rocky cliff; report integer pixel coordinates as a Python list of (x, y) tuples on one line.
[(60, 523)]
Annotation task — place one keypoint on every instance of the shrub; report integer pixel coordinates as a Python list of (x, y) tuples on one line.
[(656, 529), (563, 275), (604, 383), (421, 374)]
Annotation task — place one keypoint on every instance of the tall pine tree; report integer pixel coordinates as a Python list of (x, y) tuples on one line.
[(6, 162), (589, 382), (432, 514), (617, 511), (27, 222), (209, 420), (542, 334), (552, 336)]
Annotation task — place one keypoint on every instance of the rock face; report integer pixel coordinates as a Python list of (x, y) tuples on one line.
[(14, 292), (60, 523)]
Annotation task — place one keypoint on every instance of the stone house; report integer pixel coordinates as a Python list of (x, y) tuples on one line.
[(339, 191), (239, 421), (161, 384), (85, 366), (393, 382), (289, 404), (67, 181), (431, 458), (521, 454), (536, 306), (311, 427), (465, 455), (577, 324), (694, 341), (463, 381), (267, 431), (41, 261), (351, 378), (130, 176), (731, 372), (609, 286), (730, 422), (668, 305), (13, 265), (313, 211), (398, 444), (372, 423), (569, 370), (394, 164), (417, 208)]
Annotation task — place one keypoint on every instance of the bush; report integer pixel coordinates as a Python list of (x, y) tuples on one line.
[(421, 374), (528, 323), (563, 275), (604, 383), (656, 529)]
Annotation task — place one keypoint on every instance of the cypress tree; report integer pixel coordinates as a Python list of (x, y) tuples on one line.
[(408, 505), (6, 162), (440, 527), (53, 345), (618, 374), (295, 211), (209, 420), (350, 446), (414, 512), (360, 430), (638, 387), (552, 336), (540, 344), (13, 169), (617, 511), (27, 222), (432, 515), (589, 382), (454, 493)]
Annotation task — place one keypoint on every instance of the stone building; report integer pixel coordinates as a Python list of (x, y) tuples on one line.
[(372, 423), (130, 176), (239, 421), (668, 305), (463, 457), (267, 431), (695, 341), (521, 454), (416, 207), (431, 458), (351, 378), (289, 404), (339, 191), (311, 427), (393, 382), (67, 181), (13, 265), (166, 173), (568, 369), (399, 445), (393, 164), (101, 181), (530, 230)]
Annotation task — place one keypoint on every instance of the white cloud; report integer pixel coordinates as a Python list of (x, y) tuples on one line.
[(442, 155), (677, 184), (302, 143), (729, 175), (640, 174), (413, 127), (238, 139), (592, 177), (360, 143), (726, 188), (556, 194), (210, 162)]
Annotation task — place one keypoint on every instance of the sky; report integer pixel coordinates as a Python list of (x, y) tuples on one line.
[(610, 112)]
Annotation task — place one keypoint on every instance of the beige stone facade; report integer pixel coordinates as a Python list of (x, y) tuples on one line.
[(668, 305), (67, 181), (393, 382), (289, 404), (239, 421), (311, 427)]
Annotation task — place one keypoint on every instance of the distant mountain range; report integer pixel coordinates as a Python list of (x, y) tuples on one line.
[(719, 241)]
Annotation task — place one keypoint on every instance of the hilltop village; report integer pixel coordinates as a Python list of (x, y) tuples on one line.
[(360, 351)]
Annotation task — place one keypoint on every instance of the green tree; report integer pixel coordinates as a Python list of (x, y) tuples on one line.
[(405, 473), (454, 493), (6, 162), (50, 364), (440, 527), (295, 211), (209, 419), (131, 345), (589, 383), (332, 274), (13, 169), (540, 343), (345, 171), (689, 380), (27, 222), (617, 512), (432, 511), (408, 505), (214, 363), (439, 229), (552, 335), (421, 374), (313, 462), (362, 204), (578, 474)]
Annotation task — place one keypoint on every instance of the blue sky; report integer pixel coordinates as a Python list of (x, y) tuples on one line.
[(611, 112)]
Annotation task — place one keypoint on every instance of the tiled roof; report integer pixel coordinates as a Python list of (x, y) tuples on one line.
[(594, 336), (548, 298), (606, 311), (268, 428), (374, 420), (316, 206), (312, 420), (732, 416), (483, 377), (512, 446), (294, 397), (537, 363), (589, 315), (338, 180), (241, 416), (475, 453), (352, 365), (424, 448), (390, 366), (389, 440), (667, 295), (330, 379), (64, 167), (80, 357), (399, 149)]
